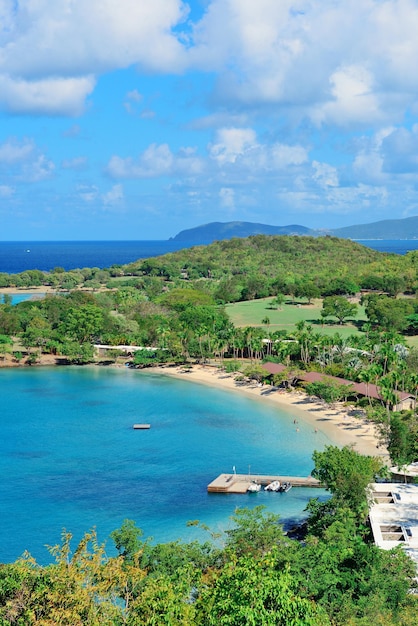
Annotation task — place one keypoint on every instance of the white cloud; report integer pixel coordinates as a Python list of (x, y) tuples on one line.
[(23, 161), (114, 196), (335, 61), (155, 161), (11, 151), (49, 96), (37, 170), (50, 52), (325, 174), (295, 55), (231, 143)]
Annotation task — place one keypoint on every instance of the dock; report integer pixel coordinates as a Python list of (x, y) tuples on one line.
[(239, 483)]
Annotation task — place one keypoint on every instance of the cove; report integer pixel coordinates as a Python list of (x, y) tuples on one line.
[(69, 457)]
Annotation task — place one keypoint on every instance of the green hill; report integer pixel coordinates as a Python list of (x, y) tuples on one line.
[(216, 231)]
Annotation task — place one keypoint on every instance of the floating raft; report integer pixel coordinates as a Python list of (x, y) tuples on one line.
[(141, 426), (239, 483)]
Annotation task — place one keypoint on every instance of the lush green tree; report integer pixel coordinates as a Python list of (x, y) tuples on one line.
[(339, 307), (251, 590), (84, 323), (329, 391), (388, 313), (347, 474), (127, 540)]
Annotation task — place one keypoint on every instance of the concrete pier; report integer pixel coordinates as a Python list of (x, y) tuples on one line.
[(238, 483)]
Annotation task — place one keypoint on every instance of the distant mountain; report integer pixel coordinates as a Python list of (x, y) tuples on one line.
[(406, 228), (217, 231)]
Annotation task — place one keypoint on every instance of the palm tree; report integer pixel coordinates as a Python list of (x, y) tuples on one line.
[(366, 376)]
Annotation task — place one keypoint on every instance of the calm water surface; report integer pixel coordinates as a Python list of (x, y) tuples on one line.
[(70, 458)]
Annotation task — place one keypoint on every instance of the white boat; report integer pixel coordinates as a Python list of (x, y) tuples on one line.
[(254, 488), (274, 486), (285, 487)]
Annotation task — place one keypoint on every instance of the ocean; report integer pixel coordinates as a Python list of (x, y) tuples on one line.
[(19, 256), (69, 457)]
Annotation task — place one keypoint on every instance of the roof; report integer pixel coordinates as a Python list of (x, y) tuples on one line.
[(360, 389), (274, 368), (393, 517)]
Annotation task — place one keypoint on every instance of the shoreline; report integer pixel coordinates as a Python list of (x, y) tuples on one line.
[(344, 426)]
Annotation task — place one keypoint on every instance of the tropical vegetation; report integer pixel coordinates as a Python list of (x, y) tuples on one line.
[(172, 309)]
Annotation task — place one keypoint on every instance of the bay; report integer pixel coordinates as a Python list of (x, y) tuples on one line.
[(69, 457)]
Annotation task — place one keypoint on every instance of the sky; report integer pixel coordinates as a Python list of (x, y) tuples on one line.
[(135, 119)]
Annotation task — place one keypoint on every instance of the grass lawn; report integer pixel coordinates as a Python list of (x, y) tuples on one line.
[(251, 313)]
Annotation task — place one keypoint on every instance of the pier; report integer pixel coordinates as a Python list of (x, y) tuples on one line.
[(239, 483)]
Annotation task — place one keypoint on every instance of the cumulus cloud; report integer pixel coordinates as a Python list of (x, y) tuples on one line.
[(50, 53), (52, 96), (23, 161), (13, 151), (299, 55), (240, 147), (296, 55), (156, 161), (231, 143), (325, 174)]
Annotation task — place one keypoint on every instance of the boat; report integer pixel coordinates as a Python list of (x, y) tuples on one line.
[(254, 488), (273, 486), (285, 487), (141, 426)]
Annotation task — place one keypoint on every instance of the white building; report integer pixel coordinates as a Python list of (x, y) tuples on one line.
[(394, 517)]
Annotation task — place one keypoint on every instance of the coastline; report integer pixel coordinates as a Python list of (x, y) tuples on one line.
[(344, 426)]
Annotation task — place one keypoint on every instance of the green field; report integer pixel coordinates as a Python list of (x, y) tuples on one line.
[(251, 313)]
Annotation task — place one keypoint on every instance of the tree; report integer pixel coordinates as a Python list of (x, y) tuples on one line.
[(346, 474), (127, 540), (84, 323), (339, 307), (253, 591)]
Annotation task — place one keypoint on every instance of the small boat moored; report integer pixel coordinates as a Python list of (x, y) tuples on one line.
[(254, 487), (273, 486), (285, 487)]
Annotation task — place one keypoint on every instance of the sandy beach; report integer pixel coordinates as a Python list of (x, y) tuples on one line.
[(343, 425)]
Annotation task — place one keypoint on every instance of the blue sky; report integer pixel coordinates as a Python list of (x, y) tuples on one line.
[(135, 119)]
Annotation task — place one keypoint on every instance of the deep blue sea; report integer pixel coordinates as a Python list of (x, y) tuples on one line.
[(16, 257), (69, 457)]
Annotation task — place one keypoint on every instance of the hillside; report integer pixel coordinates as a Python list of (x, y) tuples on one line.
[(217, 231), (271, 257), (386, 229)]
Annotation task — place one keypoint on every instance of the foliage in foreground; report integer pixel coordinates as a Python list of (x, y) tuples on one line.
[(254, 574)]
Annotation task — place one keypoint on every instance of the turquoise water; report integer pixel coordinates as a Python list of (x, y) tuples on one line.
[(22, 297), (69, 457)]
